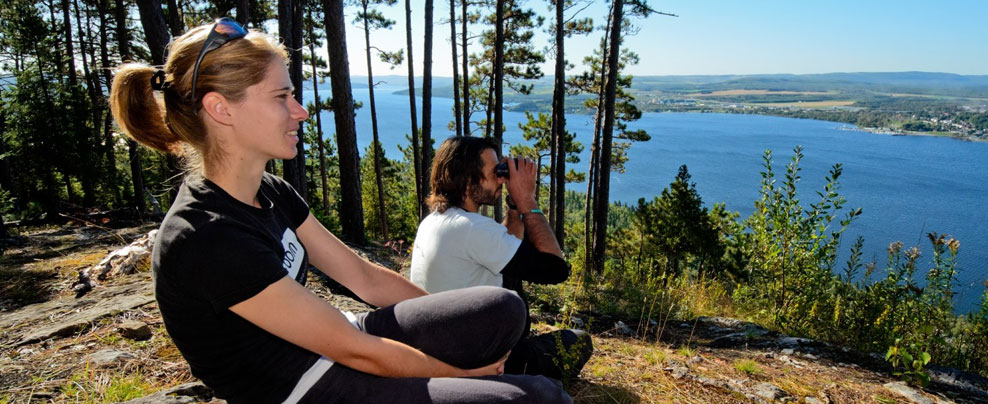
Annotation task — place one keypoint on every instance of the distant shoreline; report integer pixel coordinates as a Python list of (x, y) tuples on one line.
[(872, 130)]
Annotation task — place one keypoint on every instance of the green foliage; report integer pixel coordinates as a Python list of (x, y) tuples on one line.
[(911, 367), (328, 216), (918, 126), (522, 60), (568, 358), (778, 266), (401, 205), (793, 248), (677, 226), (980, 121), (538, 129)]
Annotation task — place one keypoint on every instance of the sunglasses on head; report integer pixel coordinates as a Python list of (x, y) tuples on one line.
[(225, 30)]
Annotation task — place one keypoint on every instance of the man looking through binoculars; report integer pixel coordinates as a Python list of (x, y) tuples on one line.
[(456, 247)]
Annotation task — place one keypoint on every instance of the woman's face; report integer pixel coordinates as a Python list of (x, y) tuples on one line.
[(267, 119)]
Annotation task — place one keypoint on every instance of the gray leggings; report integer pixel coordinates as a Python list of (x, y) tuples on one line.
[(467, 328)]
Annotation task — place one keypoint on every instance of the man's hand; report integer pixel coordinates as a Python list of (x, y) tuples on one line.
[(521, 184)]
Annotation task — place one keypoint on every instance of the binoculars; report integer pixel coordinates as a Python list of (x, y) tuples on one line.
[(501, 169)]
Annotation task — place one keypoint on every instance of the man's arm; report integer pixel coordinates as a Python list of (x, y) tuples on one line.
[(522, 189), (538, 232), (529, 264)]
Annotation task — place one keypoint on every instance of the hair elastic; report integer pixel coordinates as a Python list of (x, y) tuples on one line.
[(158, 82)]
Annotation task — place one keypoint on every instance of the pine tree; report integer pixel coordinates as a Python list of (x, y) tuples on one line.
[(317, 107), (369, 19), (426, 106), (416, 152), (351, 211)]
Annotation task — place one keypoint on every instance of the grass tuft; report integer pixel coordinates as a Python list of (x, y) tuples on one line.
[(655, 356), (747, 367), (686, 351)]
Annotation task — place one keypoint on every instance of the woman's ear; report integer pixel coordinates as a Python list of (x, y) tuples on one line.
[(217, 107)]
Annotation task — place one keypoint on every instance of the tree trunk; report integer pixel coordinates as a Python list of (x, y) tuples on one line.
[(59, 63), (289, 28), (83, 131), (490, 103), (157, 37), (295, 73), (351, 211), (5, 181), (49, 192), (175, 19), (4, 173), (67, 25), (243, 12), (108, 143), (318, 103), (86, 72), (285, 31), (456, 73), (123, 35), (466, 71), (558, 182), (137, 174), (593, 170), (382, 212), (416, 152), (498, 75), (604, 173), (427, 103), (499, 92), (133, 149), (155, 29)]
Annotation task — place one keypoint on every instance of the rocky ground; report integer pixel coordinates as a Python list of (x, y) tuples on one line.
[(109, 344)]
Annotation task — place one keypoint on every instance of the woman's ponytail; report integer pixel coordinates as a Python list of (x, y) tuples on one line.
[(137, 110)]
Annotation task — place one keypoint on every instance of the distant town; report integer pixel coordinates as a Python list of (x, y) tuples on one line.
[(898, 103)]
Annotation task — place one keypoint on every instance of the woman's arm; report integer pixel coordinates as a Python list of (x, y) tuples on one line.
[(373, 283), (290, 311)]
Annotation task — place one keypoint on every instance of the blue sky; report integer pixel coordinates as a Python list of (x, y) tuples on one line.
[(746, 37)]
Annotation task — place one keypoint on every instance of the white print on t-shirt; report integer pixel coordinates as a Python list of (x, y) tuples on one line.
[(292, 261)]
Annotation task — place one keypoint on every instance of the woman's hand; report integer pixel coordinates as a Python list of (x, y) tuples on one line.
[(494, 369)]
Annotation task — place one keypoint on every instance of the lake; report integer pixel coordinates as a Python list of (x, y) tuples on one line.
[(906, 186)]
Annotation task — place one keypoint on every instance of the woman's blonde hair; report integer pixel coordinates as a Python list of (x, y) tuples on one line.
[(174, 124)]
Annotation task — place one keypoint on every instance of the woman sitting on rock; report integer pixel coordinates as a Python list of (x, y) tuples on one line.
[(231, 256)]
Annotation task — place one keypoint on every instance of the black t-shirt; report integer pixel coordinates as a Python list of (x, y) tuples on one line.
[(213, 252)]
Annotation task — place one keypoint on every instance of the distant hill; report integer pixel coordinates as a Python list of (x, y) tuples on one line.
[(918, 83), (900, 82)]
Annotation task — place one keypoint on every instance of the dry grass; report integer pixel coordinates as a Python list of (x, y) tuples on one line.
[(58, 370), (626, 370), (762, 92), (809, 104)]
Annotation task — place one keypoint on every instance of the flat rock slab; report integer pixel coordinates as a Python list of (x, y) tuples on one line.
[(65, 316), (909, 393), (109, 357), (186, 393)]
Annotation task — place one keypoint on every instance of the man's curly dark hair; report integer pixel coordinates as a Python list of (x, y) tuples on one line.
[(457, 165)]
